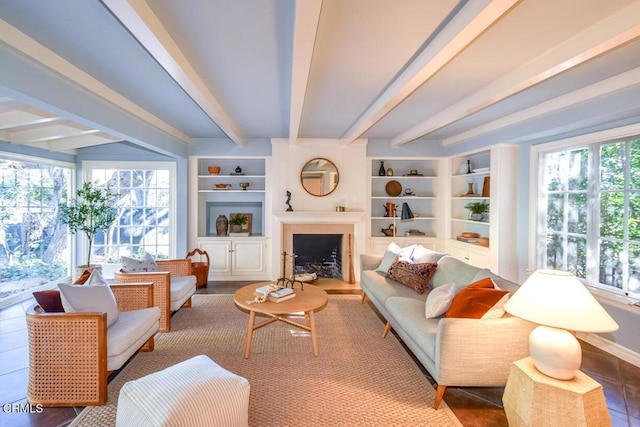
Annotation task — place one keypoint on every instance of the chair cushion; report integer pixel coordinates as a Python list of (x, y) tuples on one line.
[(196, 392), (182, 287), (132, 265), (94, 296), (129, 333)]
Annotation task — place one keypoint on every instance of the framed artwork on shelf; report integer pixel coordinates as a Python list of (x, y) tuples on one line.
[(245, 228)]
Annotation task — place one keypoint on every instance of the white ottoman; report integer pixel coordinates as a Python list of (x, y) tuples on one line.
[(196, 392)]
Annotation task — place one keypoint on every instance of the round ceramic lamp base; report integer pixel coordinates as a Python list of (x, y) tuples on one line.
[(555, 352)]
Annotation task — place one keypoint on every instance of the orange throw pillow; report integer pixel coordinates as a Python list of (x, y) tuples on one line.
[(475, 300), (83, 278)]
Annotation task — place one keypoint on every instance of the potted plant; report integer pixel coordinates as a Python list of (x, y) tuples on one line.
[(477, 210), (91, 211), (237, 221)]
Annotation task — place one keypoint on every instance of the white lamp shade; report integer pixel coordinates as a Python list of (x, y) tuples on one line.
[(558, 299)]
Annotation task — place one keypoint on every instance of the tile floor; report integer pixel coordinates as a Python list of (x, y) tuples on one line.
[(474, 407)]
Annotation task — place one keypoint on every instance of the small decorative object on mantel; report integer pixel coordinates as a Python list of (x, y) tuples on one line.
[(382, 171), (222, 223), (288, 202)]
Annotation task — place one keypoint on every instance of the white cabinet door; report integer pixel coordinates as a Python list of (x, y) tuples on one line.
[(247, 257), (219, 257), (474, 255)]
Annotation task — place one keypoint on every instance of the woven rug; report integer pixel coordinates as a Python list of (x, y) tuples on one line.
[(358, 378)]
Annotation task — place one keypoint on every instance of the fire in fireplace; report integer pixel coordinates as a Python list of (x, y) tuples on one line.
[(318, 253)]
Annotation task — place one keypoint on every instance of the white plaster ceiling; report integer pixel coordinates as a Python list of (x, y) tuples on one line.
[(410, 71)]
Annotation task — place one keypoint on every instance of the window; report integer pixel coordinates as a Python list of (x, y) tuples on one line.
[(588, 213), (146, 211), (34, 250)]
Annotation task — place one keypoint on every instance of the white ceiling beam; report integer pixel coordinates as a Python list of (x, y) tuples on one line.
[(142, 23), (20, 42), (535, 72), (602, 88), (305, 31), (19, 118), (473, 20), (83, 141), (47, 133)]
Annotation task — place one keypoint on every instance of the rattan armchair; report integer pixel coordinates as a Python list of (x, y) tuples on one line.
[(162, 285), (68, 351)]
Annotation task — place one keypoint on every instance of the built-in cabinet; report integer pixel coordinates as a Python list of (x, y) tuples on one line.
[(223, 187), (484, 176), (399, 181)]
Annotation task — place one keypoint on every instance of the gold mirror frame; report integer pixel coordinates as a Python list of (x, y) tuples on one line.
[(319, 177)]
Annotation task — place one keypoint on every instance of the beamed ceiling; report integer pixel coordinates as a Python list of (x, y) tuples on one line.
[(162, 73)]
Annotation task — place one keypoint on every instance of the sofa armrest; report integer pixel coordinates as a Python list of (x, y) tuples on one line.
[(133, 296), (177, 267), (369, 262), (479, 352)]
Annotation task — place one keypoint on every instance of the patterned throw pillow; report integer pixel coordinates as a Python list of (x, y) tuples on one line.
[(414, 276), (132, 265)]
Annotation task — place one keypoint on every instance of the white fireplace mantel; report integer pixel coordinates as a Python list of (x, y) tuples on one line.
[(310, 217)]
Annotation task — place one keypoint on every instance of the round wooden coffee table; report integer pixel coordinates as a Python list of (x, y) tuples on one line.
[(308, 300)]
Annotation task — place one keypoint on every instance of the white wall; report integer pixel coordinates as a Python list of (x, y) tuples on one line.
[(288, 159)]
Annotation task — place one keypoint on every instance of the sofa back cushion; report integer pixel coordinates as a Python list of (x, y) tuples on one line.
[(453, 270)]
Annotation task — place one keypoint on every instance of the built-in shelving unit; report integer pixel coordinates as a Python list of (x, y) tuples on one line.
[(489, 176), (417, 180), (231, 257)]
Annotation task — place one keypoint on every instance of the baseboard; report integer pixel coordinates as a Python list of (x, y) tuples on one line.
[(611, 348)]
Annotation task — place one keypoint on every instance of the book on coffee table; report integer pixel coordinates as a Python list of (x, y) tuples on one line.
[(283, 298), (278, 293)]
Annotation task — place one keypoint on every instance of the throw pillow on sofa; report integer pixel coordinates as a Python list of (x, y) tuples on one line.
[(93, 296), (132, 265), (439, 300), (414, 276), (475, 300), (49, 301)]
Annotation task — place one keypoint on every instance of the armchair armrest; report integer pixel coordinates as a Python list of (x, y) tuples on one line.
[(177, 267), (369, 262), (67, 358), (479, 352), (161, 291), (133, 296)]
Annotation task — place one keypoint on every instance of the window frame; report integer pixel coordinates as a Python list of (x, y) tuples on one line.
[(89, 165), (71, 185), (593, 142)]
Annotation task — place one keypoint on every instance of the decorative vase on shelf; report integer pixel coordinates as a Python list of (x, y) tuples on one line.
[(476, 216), (222, 224), (389, 172), (238, 169), (469, 166), (381, 171)]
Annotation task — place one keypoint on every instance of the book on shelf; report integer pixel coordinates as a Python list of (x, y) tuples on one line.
[(239, 233), (467, 239)]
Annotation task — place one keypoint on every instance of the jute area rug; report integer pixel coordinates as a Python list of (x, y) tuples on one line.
[(358, 378)]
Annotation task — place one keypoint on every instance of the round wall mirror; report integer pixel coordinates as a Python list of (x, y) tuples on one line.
[(319, 177)]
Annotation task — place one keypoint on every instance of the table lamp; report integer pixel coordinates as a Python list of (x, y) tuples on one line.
[(559, 302)]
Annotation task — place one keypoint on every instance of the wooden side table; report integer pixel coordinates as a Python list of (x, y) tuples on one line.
[(532, 398)]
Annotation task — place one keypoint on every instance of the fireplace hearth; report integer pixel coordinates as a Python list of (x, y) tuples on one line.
[(318, 253)]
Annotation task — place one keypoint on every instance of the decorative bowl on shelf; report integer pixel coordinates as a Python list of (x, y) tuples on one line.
[(214, 170), (244, 185), (483, 241), (222, 186)]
